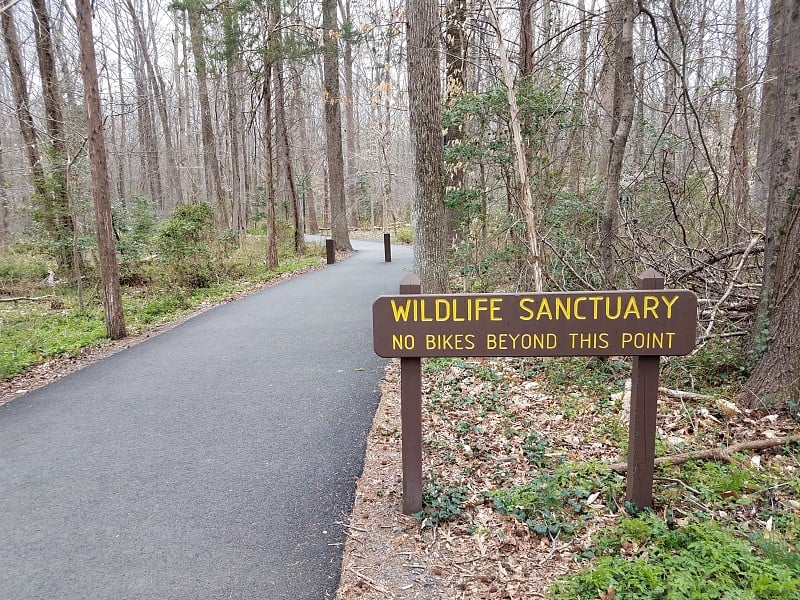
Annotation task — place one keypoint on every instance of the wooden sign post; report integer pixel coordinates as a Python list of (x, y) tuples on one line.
[(646, 324)]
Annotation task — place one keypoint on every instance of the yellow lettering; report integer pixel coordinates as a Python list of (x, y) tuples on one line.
[(544, 308), (422, 316), (595, 300), (563, 307), (619, 308), (523, 304), (575, 304), (494, 307), (632, 308), (400, 311), (442, 311), (402, 342), (491, 341), (650, 306), (669, 304), (480, 306)]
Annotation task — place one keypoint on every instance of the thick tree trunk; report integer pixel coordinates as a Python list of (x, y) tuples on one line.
[(425, 107), (775, 381), (109, 269), (333, 127)]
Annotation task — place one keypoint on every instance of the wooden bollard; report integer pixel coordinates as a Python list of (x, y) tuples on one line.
[(411, 418), (387, 248), (330, 251)]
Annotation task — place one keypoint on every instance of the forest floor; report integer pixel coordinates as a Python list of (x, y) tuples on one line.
[(500, 437)]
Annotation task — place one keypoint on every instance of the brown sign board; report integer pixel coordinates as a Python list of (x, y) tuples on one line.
[(606, 323)]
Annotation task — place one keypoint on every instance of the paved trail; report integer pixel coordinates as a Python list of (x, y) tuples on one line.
[(216, 460)]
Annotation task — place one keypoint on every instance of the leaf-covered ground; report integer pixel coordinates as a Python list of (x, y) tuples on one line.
[(516, 456)]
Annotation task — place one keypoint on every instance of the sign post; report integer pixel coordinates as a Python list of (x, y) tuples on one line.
[(411, 418), (645, 323), (644, 406)]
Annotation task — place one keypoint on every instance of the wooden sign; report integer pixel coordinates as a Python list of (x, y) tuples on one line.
[(645, 323), (630, 323)]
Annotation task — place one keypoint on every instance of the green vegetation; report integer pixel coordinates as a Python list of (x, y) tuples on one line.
[(643, 558), (167, 271)]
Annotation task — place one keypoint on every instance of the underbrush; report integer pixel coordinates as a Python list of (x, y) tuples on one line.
[(47, 321), (518, 454)]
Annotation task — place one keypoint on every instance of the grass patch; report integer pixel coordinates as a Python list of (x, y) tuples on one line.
[(34, 332)]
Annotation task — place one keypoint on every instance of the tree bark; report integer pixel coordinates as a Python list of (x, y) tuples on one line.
[(59, 192), (739, 180), (233, 64), (351, 136), (283, 132), (775, 380), (157, 84), (333, 126), (455, 63), (621, 118), (27, 128), (525, 197), (109, 269), (269, 172), (210, 158), (425, 106)]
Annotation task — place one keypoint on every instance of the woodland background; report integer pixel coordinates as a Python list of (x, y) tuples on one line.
[(539, 145)]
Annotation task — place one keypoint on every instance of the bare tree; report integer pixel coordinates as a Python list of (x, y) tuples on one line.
[(620, 81), (333, 126), (109, 269)]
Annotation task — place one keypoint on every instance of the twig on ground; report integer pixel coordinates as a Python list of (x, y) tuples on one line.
[(720, 454)]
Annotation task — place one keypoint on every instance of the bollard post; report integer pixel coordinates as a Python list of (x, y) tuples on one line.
[(644, 406), (330, 251), (387, 248), (411, 418)]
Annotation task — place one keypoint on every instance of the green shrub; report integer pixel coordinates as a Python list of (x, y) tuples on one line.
[(441, 503), (184, 244), (404, 235)]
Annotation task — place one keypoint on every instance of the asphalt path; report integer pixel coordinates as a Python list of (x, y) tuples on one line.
[(216, 460)]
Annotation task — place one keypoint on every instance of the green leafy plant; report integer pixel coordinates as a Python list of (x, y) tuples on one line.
[(441, 503), (644, 559), (184, 244)]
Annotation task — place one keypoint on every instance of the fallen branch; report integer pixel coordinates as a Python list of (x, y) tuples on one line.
[(29, 299), (681, 395), (371, 583), (719, 454)]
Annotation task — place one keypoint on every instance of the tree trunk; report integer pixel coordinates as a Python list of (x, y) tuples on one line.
[(525, 197), (739, 180), (159, 89), (27, 128), (59, 192), (622, 105), (269, 172), (309, 197), (333, 127), (233, 64), (455, 61), (109, 269), (425, 106), (210, 159), (283, 132), (775, 381), (351, 136)]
